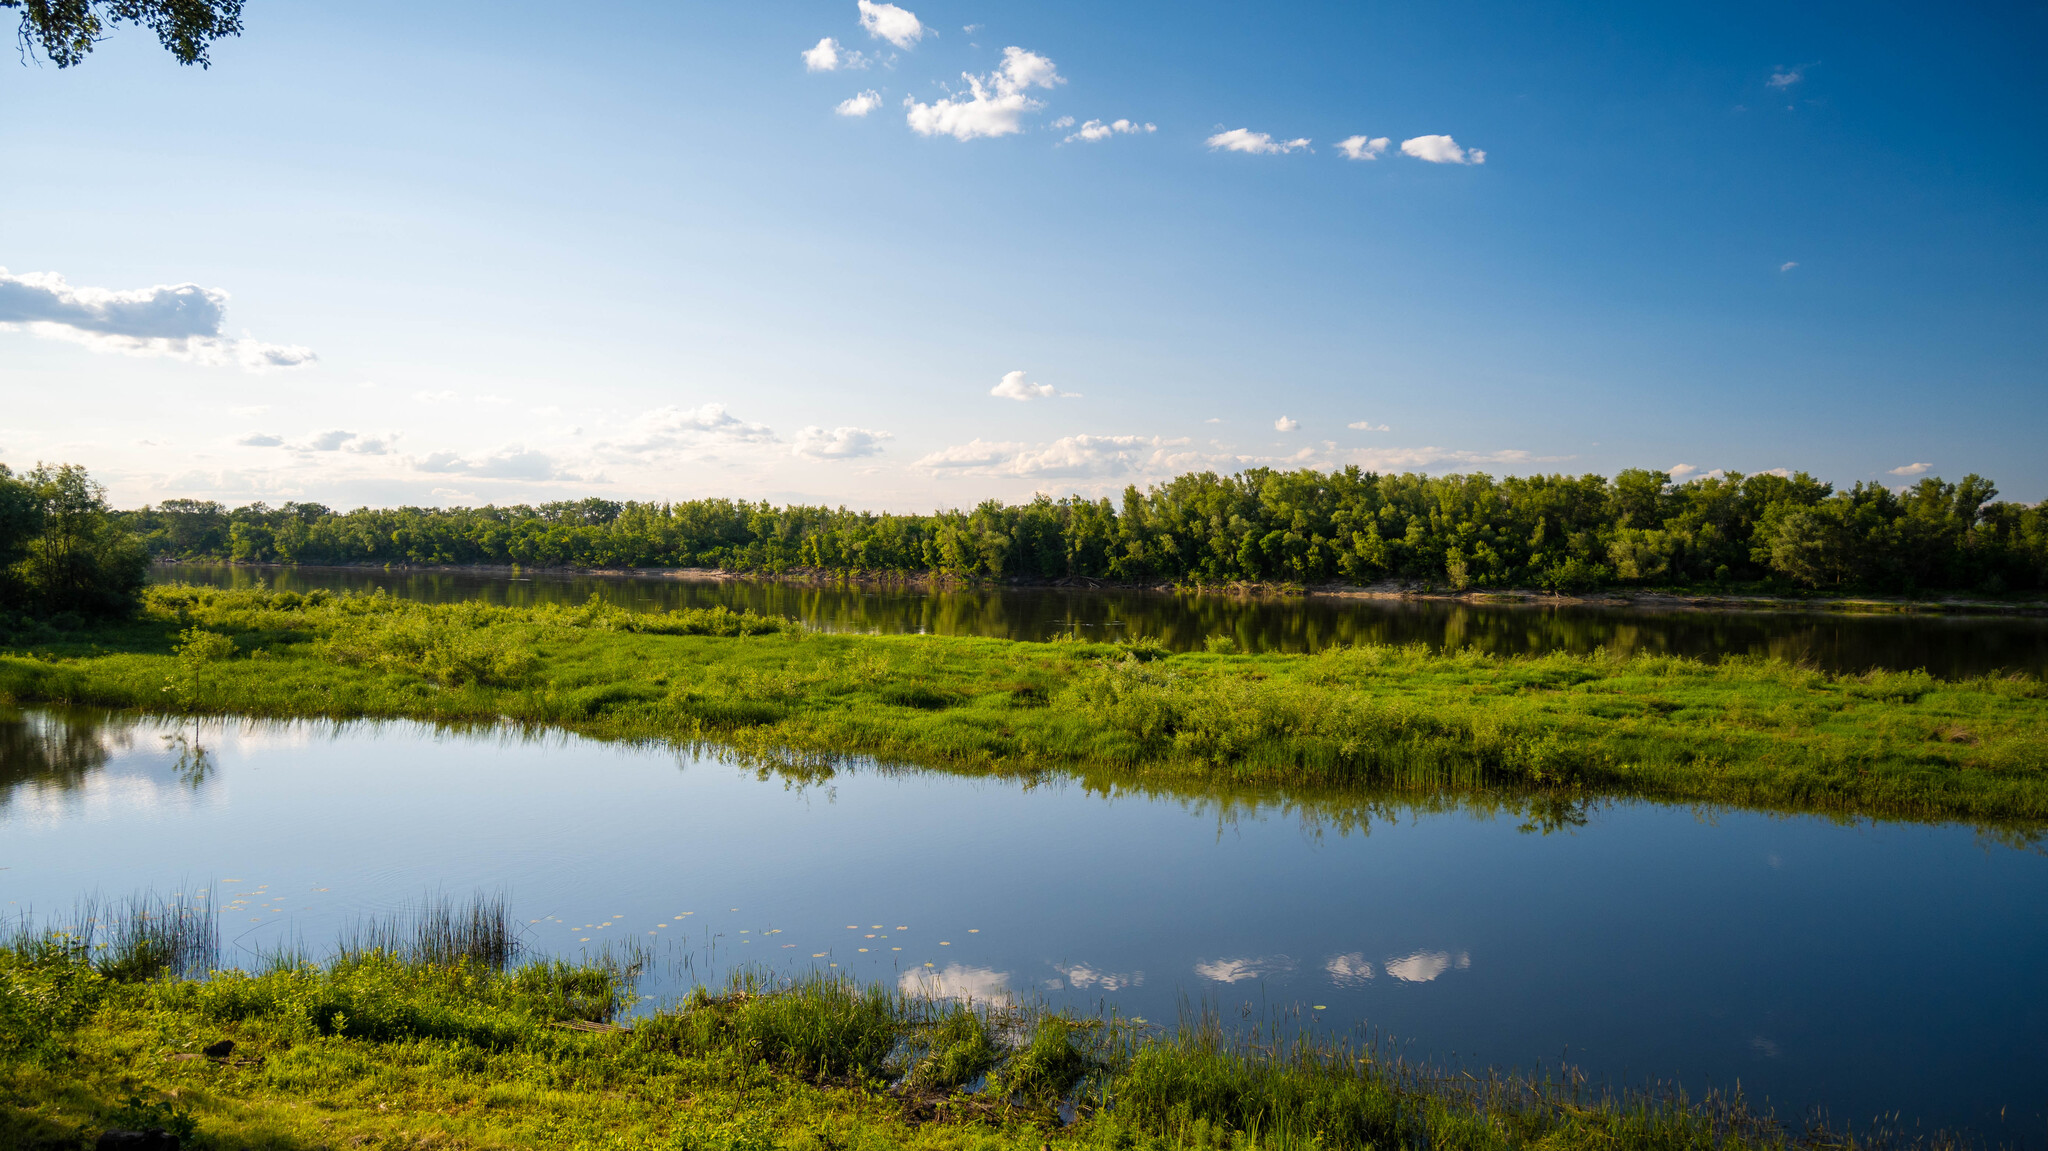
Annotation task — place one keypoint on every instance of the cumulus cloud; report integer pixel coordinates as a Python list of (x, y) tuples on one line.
[(1256, 143), (1349, 970), (859, 104), (1423, 966), (261, 440), (514, 463), (441, 397), (179, 321), (899, 26), (957, 982), (995, 104), (1014, 387), (1911, 469), (1367, 426), (1788, 265), (675, 428), (838, 443), (1441, 150), (1095, 130), (824, 57), (1283, 424), (1363, 147), (1239, 970), (1070, 457), (1424, 458), (1783, 78)]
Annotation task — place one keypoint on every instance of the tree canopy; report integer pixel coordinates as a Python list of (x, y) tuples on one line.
[(65, 31)]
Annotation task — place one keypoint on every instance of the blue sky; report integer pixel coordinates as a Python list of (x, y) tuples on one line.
[(459, 253)]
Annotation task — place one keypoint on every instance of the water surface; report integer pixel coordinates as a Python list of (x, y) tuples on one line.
[(1947, 646), (1855, 967)]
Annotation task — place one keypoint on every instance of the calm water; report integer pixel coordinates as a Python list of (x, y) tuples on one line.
[(1945, 646), (1859, 968)]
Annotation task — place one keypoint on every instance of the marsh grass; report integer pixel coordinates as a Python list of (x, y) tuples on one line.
[(143, 936), (438, 929), (380, 1047), (1741, 732)]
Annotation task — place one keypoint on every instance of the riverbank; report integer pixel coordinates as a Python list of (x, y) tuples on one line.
[(1746, 733), (1778, 599), (393, 1048)]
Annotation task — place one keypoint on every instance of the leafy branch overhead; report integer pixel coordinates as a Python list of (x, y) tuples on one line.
[(64, 31)]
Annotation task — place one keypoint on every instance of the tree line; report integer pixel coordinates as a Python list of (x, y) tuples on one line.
[(1459, 531)]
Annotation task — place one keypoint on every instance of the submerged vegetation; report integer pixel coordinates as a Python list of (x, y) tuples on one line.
[(432, 1046), (1744, 732), (1554, 532)]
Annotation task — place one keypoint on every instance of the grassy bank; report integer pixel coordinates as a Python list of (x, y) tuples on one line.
[(1741, 732), (420, 1045)]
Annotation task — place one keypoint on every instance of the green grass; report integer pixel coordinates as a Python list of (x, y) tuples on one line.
[(373, 1050), (1357, 720)]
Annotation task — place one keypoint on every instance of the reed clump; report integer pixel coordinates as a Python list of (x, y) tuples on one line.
[(1747, 732)]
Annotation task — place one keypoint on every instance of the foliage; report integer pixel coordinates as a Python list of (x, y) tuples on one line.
[(1561, 533), (1364, 719), (64, 552), (66, 30)]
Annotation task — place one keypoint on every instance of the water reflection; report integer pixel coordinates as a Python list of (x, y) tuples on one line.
[(1945, 646), (1429, 918)]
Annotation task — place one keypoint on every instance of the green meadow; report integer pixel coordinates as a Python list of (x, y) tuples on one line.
[(1385, 719)]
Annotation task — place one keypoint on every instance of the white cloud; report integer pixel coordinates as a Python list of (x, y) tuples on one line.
[(860, 104), (513, 463), (829, 55), (824, 57), (329, 441), (1788, 265), (1367, 426), (674, 428), (1013, 387), (975, 454), (1256, 143), (1349, 970), (1239, 970), (1680, 471), (1363, 147), (441, 397), (1441, 150), (1911, 469), (1783, 78), (1423, 966), (1070, 457), (995, 103), (1412, 459), (1095, 130), (1283, 424), (179, 321), (261, 440), (957, 982), (838, 443), (888, 22)]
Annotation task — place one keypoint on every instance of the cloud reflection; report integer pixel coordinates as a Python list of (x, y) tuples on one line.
[(1423, 966), (957, 982), (1239, 970), (1081, 976), (1350, 970)]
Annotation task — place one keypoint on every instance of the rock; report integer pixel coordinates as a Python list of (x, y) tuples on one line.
[(221, 1050), (154, 1139)]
